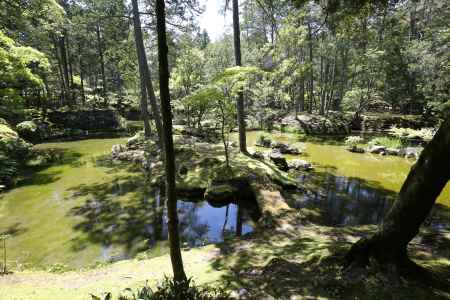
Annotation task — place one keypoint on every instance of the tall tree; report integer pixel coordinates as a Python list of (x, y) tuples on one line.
[(174, 240), (419, 192), (240, 98), (144, 71)]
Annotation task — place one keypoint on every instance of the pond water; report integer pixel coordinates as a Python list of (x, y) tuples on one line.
[(83, 209), (348, 188)]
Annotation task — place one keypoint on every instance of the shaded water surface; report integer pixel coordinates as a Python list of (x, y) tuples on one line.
[(348, 188), (81, 208)]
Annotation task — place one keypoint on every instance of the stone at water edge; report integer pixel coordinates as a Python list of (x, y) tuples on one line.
[(355, 149), (284, 148), (117, 149), (257, 155), (300, 164), (263, 142), (279, 160), (393, 151), (375, 149)]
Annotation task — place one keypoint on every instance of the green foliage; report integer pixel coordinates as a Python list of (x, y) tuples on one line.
[(21, 68), (353, 140), (425, 134), (389, 142), (171, 290)]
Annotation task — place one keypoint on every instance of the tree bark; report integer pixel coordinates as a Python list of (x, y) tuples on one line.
[(144, 110), (419, 192), (311, 71), (174, 240), (144, 71), (240, 99), (102, 63)]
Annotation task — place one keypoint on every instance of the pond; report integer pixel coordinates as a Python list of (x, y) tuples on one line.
[(347, 188), (83, 209)]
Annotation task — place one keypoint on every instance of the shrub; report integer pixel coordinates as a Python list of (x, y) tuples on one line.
[(353, 141), (389, 142), (171, 290), (425, 134)]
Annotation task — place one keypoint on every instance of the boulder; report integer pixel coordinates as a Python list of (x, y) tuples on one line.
[(376, 149), (284, 148), (299, 164), (412, 152), (355, 149), (117, 149), (257, 155), (279, 160), (393, 151), (263, 141)]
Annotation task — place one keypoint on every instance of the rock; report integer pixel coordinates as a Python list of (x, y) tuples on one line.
[(284, 148), (136, 140), (257, 155), (393, 151), (299, 164), (263, 141), (277, 158), (375, 149), (412, 152), (117, 149), (355, 149)]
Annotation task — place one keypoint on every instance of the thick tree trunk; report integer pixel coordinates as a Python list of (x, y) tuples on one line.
[(144, 71), (174, 240), (419, 192), (237, 56)]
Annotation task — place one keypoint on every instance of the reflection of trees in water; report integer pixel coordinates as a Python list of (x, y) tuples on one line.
[(346, 201)]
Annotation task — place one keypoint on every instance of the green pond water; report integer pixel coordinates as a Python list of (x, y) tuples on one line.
[(81, 208)]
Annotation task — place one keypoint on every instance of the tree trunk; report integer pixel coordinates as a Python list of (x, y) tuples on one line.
[(65, 68), (240, 99), (174, 240), (419, 192), (144, 71), (144, 110), (311, 71), (102, 63)]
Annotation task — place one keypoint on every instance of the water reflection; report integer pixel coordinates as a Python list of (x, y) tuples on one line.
[(339, 200)]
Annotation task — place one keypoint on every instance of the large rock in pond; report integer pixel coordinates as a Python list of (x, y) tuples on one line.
[(376, 149), (412, 152), (279, 160), (284, 148), (299, 164)]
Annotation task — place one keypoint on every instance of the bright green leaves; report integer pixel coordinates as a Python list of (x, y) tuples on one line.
[(21, 68)]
